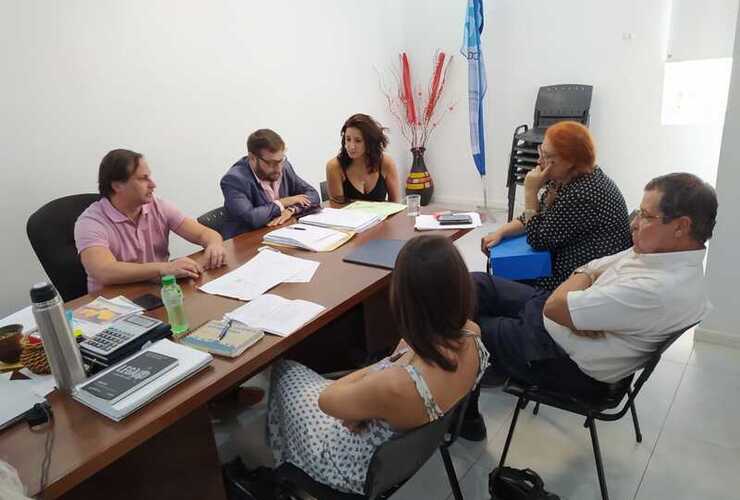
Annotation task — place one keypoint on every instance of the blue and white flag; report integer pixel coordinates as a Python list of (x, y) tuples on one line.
[(473, 52)]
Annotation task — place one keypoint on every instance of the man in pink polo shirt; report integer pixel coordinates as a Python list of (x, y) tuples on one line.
[(124, 237)]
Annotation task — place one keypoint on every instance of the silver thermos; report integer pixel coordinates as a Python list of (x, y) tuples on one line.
[(59, 343)]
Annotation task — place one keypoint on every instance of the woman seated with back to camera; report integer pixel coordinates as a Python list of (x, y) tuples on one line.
[(361, 170), (581, 214), (330, 429)]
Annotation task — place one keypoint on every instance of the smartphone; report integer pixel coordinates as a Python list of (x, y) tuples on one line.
[(148, 301), (454, 219)]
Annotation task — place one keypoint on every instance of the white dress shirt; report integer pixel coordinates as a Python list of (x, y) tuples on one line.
[(637, 301)]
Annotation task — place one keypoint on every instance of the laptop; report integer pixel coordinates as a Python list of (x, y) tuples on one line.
[(17, 397), (376, 253)]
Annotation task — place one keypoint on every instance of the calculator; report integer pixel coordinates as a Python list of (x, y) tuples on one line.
[(122, 338)]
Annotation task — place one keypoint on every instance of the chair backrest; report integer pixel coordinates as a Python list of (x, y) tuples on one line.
[(324, 188), (655, 359), (214, 219), (51, 233), (396, 460), (556, 103)]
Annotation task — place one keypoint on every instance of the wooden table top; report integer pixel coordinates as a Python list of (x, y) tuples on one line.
[(86, 442)]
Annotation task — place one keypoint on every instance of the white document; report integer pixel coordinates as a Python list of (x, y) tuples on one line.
[(306, 236), (277, 315), (353, 220), (306, 270), (190, 361), (249, 281), (40, 384), (23, 317), (428, 222)]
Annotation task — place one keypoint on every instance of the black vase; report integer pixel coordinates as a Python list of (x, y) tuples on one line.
[(419, 180)]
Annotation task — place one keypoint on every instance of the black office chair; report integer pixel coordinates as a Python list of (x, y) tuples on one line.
[(214, 219), (592, 409), (324, 189), (50, 230), (555, 103), (393, 463)]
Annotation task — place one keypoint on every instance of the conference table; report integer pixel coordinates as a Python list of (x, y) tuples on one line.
[(167, 448)]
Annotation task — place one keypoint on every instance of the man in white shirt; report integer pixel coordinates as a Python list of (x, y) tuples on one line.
[(605, 321)]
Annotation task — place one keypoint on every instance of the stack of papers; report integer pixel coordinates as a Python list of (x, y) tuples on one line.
[(275, 314), (429, 223), (268, 269), (314, 238), (382, 209), (344, 220), (189, 362), (99, 314)]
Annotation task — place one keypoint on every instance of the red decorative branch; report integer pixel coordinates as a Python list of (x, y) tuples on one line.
[(417, 115), (434, 91), (407, 92)]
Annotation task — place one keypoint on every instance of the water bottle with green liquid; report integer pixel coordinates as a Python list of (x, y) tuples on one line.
[(173, 302)]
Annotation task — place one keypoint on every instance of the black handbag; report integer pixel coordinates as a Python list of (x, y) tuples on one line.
[(508, 483)]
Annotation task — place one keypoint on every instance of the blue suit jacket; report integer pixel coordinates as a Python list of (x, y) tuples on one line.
[(248, 207)]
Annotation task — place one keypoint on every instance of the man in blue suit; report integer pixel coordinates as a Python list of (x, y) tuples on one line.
[(262, 189)]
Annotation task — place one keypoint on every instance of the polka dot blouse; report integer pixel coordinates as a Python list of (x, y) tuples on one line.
[(588, 219)]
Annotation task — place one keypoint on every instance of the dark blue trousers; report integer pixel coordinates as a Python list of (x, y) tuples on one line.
[(510, 318)]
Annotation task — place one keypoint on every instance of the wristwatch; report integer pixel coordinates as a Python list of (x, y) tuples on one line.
[(587, 273), (528, 214)]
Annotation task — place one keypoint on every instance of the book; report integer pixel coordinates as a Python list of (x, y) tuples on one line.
[(238, 338), (274, 314), (189, 362), (96, 316), (345, 220), (127, 377), (308, 237)]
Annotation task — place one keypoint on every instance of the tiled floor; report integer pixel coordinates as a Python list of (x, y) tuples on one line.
[(689, 412)]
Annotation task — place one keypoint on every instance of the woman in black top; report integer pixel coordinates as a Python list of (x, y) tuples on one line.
[(361, 171), (581, 214)]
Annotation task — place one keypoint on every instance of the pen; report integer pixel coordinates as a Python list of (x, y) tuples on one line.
[(297, 228), (224, 329)]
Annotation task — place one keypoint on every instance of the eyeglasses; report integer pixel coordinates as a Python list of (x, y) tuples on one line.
[(544, 156), (643, 215), (273, 164)]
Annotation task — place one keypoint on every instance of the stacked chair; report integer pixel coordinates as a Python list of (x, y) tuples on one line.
[(555, 103)]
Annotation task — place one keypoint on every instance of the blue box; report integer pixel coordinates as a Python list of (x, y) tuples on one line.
[(514, 259)]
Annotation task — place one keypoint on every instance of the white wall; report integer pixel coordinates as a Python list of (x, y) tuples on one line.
[(183, 82), (540, 42), (723, 272), (701, 30)]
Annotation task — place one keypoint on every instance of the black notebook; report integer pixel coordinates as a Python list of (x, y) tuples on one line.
[(376, 253), (129, 376)]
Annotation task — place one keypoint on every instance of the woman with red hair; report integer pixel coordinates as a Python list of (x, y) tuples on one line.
[(581, 215)]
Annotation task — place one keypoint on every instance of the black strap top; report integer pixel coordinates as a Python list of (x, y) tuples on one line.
[(379, 192)]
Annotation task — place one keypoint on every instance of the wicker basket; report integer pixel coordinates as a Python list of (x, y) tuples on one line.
[(33, 357)]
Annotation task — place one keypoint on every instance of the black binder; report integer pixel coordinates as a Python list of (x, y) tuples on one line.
[(376, 253)]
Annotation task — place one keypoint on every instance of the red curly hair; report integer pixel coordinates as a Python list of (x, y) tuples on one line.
[(573, 143)]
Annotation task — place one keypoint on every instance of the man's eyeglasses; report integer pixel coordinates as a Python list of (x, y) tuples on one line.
[(643, 215), (273, 164)]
